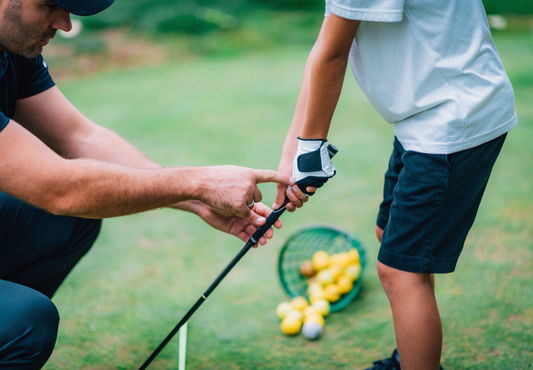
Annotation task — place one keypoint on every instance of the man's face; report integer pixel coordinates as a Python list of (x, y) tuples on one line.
[(26, 26)]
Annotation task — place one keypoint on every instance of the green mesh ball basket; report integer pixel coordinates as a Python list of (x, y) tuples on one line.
[(302, 245)]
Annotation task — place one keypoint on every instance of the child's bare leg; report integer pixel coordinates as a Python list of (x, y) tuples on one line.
[(416, 317)]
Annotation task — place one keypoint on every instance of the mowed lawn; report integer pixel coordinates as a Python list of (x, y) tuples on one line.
[(145, 271)]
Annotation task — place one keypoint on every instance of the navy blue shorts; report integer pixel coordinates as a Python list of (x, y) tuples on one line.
[(429, 204)]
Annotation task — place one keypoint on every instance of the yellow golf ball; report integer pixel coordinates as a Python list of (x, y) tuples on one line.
[(316, 318), (353, 256), (325, 277), (299, 303), (310, 310), (320, 260), (282, 309), (331, 293), (353, 271), (340, 259), (344, 284), (316, 295), (313, 287), (322, 306), (294, 314), (291, 325)]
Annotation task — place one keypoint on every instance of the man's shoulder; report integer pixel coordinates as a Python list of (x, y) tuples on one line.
[(30, 75)]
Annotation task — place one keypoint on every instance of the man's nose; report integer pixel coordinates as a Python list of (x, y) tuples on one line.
[(62, 21)]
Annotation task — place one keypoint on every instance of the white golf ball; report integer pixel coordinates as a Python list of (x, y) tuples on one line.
[(311, 330)]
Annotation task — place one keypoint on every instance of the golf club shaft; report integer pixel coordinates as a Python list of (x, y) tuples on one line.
[(251, 242)]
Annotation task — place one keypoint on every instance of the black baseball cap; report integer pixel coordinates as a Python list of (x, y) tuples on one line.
[(84, 7)]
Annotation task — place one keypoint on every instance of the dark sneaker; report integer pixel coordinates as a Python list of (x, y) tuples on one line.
[(391, 363)]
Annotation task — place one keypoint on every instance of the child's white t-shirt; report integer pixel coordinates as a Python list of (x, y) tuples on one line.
[(432, 69)]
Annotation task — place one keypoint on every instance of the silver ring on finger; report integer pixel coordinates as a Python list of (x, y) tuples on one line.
[(251, 205)]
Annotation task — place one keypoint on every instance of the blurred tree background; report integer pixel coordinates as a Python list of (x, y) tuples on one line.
[(138, 32), (203, 16), (517, 7)]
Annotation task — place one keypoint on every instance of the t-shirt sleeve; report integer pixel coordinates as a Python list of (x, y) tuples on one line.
[(366, 10), (35, 78), (3, 120), (328, 8)]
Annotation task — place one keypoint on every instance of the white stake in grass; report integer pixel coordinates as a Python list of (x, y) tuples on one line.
[(182, 347)]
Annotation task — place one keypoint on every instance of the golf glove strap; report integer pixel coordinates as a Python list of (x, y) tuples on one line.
[(312, 165)]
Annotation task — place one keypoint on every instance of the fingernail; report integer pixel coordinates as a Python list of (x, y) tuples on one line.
[(275, 206), (292, 180), (261, 219)]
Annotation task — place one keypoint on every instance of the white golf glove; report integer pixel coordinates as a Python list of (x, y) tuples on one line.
[(312, 165)]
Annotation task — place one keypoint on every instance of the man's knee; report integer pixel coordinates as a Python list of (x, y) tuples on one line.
[(30, 325)]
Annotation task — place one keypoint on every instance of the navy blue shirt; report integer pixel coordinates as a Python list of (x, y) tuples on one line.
[(20, 78)]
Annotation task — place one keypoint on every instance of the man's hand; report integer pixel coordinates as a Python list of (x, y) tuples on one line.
[(231, 189), (240, 227)]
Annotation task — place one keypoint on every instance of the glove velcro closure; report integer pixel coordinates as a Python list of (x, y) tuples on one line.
[(310, 162)]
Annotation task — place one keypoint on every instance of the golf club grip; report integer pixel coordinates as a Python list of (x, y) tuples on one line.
[(271, 219), (332, 150)]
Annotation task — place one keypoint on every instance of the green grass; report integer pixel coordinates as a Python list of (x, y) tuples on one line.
[(146, 270)]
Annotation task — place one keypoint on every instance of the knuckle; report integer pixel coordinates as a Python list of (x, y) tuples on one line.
[(270, 175)]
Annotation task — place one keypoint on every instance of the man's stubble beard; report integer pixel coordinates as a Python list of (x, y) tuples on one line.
[(19, 38)]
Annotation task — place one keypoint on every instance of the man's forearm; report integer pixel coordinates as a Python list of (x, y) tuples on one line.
[(32, 172), (92, 190), (105, 145)]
